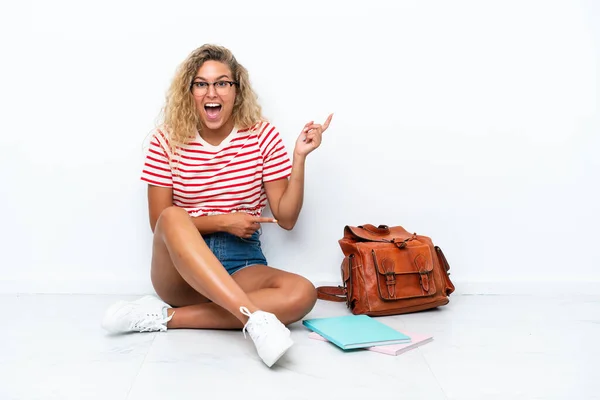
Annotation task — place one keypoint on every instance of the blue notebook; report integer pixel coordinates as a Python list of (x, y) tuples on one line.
[(355, 331)]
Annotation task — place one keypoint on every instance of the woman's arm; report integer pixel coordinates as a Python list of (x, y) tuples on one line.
[(160, 198), (239, 224), (286, 197)]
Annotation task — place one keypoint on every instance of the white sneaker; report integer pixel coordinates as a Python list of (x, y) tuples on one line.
[(271, 338), (142, 315)]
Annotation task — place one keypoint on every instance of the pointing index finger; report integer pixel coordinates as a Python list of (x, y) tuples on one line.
[(327, 121), (265, 219)]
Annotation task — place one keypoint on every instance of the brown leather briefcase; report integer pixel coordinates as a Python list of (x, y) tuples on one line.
[(387, 271)]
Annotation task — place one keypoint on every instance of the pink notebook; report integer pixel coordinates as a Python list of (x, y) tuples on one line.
[(392, 349)]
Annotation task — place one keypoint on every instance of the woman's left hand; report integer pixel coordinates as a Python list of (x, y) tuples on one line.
[(310, 137)]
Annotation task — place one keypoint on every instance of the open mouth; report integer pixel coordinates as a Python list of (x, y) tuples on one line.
[(212, 110)]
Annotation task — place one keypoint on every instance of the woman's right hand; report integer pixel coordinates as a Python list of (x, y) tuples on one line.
[(243, 225)]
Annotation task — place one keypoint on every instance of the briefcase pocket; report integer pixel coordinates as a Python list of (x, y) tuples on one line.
[(404, 273)]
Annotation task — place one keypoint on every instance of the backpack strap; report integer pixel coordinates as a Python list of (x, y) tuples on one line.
[(332, 293)]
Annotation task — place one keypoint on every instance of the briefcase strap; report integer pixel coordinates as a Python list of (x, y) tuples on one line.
[(331, 293)]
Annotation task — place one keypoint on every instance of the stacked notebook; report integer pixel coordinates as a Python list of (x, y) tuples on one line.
[(363, 332)]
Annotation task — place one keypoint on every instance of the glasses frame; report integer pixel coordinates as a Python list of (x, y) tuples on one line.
[(231, 83)]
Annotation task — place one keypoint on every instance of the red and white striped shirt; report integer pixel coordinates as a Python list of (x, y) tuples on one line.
[(208, 180)]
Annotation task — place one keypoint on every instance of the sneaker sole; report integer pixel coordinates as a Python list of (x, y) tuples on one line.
[(272, 360)]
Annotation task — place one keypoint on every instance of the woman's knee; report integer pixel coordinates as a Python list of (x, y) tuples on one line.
[(170, 215), (302, 297)]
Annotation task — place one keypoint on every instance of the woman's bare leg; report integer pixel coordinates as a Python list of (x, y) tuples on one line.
[(185, 271), (181, 260), (289, 296)]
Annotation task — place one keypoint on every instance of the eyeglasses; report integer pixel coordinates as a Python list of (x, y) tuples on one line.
[(221, 87)]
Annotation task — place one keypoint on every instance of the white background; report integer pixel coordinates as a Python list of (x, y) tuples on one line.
[(473, 122)]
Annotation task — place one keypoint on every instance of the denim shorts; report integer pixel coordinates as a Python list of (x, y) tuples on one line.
[(235, 252)]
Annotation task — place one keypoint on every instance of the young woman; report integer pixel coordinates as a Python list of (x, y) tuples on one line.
[(211, 168)]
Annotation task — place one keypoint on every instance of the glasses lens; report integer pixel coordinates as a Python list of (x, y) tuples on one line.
[(222, 87), (199, 88)]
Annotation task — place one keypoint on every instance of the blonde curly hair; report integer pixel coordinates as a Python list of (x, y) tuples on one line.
[(181, 119)]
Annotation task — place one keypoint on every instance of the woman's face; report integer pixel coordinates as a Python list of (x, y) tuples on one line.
[(214, 95)]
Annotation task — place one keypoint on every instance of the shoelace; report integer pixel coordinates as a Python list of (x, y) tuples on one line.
[(151, 322), (257, 320)]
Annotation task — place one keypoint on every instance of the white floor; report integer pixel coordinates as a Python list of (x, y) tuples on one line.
[(485, 347)]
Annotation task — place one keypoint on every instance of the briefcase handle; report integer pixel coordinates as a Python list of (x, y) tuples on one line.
[(377, 230)]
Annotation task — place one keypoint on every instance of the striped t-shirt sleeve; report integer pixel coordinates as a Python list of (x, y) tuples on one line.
[(157, 170), (276, 161)]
